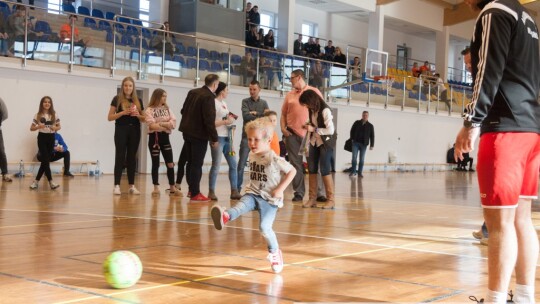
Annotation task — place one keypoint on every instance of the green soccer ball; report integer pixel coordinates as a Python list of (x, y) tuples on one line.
[(122, 269)]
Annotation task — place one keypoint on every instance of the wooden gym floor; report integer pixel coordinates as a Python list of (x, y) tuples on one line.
[(394, 237)]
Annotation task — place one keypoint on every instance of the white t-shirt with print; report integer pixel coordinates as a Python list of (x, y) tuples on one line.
[(265, 173), (222, 111), (46, 119)]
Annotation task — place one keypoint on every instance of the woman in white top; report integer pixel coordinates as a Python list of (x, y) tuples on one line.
[(322, 142), (46, 122), (161, 121), (224, 121)]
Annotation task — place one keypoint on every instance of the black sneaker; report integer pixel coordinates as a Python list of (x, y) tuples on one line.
[(322, 199), (68, 174), (473, 298), (297, 198)]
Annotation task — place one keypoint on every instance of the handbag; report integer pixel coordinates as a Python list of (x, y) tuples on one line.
[(348, 145)]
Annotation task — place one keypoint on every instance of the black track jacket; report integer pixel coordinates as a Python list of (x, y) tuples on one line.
[(506, 69)]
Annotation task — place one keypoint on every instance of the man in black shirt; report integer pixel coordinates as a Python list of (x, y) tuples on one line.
[(504, 109), (362, 135), (198, 127)]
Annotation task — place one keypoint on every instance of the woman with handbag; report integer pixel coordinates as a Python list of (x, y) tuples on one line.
[(322, 140)]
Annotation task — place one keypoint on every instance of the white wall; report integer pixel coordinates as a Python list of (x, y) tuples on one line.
[(82, 102)]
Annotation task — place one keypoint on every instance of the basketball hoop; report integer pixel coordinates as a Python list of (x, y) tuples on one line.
[(388, 80)]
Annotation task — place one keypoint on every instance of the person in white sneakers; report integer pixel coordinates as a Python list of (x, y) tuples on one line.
[(161, 121), (127, 111), (269, 176), (46, 122)]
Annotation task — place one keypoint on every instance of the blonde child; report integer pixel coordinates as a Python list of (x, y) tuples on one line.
[(269, 176)]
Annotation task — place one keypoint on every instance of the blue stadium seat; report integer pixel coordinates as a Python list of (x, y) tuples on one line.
[(97, 13), (91, 23), (124, 20), (179, 59), (214, 55), (119, 28), (180, 48), (204, 53), (215, 67), (110, 15), (42, 27), (68, 8), (191, 51), (225, 57), (104, 25), (146, 33), (191, 63), (131, 30), (5, 9), (83, 10), (236, 59), (137, 22), (204, 65)]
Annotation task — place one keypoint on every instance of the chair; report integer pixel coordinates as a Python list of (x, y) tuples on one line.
[(180, 60), (236, 59), (42, 27), (97, 13), (110, 15), (104, 25), (137, 22), (91, 23), (191, 51), (214, 55), (68, 8), (180, 48), (146, 33), (124, 20), (83, 10), (191, 63), (215, 67), (131, 30), (204, 53), (119, 28), (204, 65)]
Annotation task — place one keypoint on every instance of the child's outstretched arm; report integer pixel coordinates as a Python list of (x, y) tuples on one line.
[(285, 181)]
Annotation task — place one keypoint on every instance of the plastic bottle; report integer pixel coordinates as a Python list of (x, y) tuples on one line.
[(97, 171), (21, 169)]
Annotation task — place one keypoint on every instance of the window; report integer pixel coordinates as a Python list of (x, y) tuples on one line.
[(308, 30), (267, 23), (144, 11), (54, 6)]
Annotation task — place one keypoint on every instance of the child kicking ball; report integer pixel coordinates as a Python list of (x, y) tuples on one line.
[(269, 175)]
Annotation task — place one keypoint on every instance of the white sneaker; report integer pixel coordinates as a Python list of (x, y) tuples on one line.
[(34, 185), (484, 241), (478, 234), (156, 192), (116, 190), (134, 191), (276, 261), (53, 185)]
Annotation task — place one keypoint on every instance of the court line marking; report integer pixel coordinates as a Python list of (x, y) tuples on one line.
[(247, 272), (253, 229)]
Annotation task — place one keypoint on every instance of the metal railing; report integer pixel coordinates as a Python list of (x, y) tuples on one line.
[(273, 68)]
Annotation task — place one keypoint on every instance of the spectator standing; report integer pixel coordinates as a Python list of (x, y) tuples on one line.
[(293, 119), (299, 47), (59, 151), (274, 144), (505, 112), (161, 121), (3, 158), (329, 51), (46, 122), (198, 127), (362, 135), (164, 36), (269, 42), (224, 121), (339, 57), (321, 137), (248, 68), (254, 16), (4, 37), (252, 108), (127, 111), (425, 69), (356, 69)]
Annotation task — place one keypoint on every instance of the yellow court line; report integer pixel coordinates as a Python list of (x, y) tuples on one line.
[(233, 274)]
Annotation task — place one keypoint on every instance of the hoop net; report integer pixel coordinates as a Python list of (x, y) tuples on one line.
[(388, 80)]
